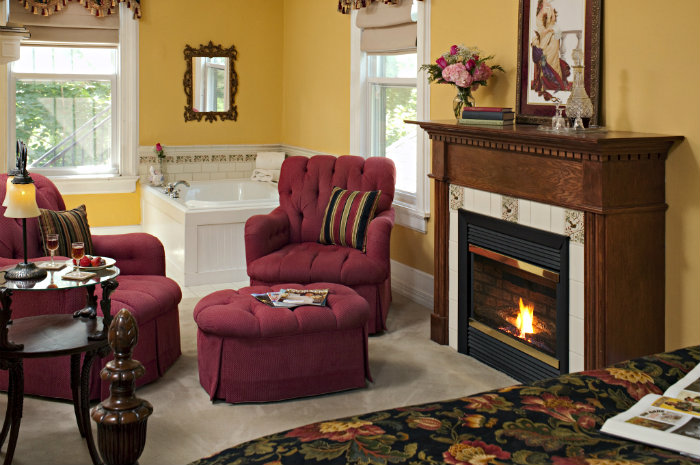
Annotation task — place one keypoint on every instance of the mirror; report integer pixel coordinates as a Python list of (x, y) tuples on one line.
[(210, 83)]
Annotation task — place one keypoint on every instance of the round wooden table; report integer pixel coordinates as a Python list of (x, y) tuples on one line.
[(52, 336)]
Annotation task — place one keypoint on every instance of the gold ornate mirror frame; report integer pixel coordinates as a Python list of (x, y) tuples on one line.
[(210, 50)]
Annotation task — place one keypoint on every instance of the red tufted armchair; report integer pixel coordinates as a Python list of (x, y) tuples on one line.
[(283, 246), (143, 290)]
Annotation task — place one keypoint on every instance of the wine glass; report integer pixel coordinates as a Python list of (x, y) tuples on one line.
[(52, 245), (77, 252)]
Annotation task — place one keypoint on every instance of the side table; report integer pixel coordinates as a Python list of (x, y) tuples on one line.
[(52, 336)]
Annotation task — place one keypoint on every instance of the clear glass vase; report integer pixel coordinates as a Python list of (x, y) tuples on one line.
[(464, 98)]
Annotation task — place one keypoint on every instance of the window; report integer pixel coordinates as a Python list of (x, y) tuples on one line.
[(73, 97), (393, 98), (386, 90), (211, 91), (64, 108)]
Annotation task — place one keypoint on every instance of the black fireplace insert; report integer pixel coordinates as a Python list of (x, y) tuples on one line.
[(513, 297)]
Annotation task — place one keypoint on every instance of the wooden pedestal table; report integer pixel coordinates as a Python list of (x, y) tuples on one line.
[(51, 336)]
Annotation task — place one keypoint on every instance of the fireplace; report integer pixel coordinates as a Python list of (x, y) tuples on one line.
[(513, 296)]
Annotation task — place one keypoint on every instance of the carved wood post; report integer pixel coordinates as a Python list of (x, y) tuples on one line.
[(121, 418)]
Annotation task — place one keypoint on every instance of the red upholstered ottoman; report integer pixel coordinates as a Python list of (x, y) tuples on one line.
[(251, 352)]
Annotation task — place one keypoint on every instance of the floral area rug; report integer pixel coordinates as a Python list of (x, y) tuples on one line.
[(554, 421)]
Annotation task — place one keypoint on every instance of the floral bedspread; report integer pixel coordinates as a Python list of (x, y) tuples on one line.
[(553, 421)]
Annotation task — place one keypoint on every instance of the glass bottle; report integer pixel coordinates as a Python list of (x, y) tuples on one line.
[(579, 106)]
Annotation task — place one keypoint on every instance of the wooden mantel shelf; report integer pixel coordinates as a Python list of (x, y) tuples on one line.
[(616, 178)]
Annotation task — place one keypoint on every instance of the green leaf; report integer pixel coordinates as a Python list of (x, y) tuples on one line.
[(541, 435), (322, 450), (528, 457)]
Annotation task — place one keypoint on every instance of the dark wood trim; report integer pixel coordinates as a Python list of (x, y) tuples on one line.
[(441, 281), (616, 178)]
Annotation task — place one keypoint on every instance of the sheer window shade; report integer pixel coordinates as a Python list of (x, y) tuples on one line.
[(72, 25), (387, 28)]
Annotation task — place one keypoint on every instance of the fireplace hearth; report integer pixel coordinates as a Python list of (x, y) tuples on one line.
[(514, 297)]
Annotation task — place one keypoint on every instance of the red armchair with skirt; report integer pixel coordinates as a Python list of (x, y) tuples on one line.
[(143, 290), (283, 246)]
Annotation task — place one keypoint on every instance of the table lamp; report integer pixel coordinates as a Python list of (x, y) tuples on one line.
[(21, 203)]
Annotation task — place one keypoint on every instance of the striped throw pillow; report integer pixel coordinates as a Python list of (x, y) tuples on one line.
[(347, 217), (70, 225)]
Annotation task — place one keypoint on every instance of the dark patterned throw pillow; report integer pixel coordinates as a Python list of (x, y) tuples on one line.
[(347, 217), (70, 225)]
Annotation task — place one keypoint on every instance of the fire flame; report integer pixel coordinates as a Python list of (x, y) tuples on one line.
[(525, 319)]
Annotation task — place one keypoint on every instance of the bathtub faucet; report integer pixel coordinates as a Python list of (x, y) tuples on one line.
[(170, 189)]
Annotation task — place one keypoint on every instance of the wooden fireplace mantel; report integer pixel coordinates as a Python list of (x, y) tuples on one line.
[(616, 178)]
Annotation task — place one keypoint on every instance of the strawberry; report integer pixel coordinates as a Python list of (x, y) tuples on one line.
[(96, 261), (85, 261)]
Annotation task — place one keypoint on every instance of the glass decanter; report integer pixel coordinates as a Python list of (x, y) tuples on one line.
[(579, 106)]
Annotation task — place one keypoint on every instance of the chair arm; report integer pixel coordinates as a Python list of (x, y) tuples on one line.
[(265, 234), (135, 253), (379, 236)]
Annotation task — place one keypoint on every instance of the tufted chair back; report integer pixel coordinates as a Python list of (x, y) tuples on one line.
[(305, 187), (47, 196)]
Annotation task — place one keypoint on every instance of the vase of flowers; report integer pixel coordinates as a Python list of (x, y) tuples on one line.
[(464, 68), (157, 174)]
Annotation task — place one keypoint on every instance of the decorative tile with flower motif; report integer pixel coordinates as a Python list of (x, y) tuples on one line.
[(456, 197), (574, 225), (509, 208)]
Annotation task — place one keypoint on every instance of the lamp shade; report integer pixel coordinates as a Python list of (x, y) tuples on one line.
[(21, 201), (8, 188)]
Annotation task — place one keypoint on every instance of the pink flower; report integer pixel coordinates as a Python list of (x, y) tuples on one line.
[(159, 147), (457, 74), (475, 57), (482, 73), (470, 64), (454, 50), (442, 63)]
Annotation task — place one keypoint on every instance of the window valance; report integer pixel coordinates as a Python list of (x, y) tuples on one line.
[(346, 6), (96, 7)]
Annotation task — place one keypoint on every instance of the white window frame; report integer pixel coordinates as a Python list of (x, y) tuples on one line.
[(412, 211), (113, 167), (125, 117)]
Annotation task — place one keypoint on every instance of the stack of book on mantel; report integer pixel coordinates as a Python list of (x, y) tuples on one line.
[(496, 116)]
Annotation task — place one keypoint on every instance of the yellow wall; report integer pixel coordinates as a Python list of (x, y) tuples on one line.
[(254, 27), (649, 84), (316, 76), (109, 209)]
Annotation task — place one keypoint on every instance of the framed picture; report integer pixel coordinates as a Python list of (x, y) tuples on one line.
[(548, 31)]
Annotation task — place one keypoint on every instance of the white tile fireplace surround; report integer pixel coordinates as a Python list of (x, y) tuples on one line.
[(536, 215)]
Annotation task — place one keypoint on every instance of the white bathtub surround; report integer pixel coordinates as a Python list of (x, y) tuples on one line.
[(202, 231), (537, 215)]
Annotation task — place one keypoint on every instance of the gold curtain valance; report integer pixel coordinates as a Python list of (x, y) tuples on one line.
[(346, 6), (96, 7)]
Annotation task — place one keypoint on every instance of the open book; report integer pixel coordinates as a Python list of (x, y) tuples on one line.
[(290, 298), (671, 421)]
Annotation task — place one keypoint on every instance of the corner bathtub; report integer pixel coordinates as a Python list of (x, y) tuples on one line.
[(202, 231)]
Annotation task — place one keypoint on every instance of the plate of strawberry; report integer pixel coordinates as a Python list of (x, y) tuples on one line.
[(92, 263)]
